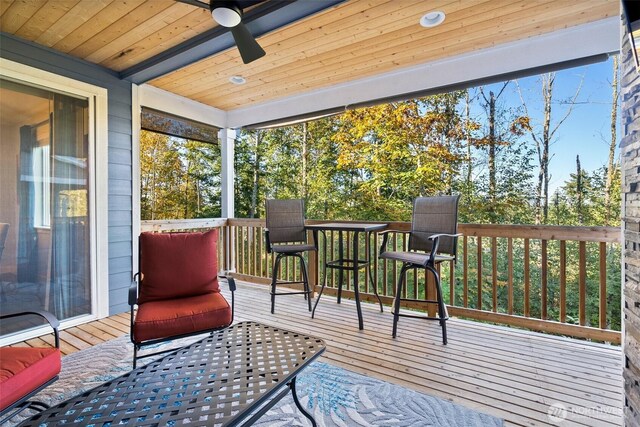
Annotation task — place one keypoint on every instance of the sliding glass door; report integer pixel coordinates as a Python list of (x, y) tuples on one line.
[(45, 248)]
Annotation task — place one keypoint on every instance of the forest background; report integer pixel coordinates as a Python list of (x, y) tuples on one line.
[(494, 145)]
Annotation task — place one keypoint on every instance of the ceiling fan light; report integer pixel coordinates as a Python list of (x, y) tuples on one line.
[(228, 15)]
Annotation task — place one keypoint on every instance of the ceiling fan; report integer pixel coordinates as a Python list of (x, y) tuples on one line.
[(229, 14)]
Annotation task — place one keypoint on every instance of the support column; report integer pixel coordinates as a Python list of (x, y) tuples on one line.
[(227, 139), (630, 155)]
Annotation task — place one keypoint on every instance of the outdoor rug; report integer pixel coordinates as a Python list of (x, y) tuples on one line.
[(335, 396)]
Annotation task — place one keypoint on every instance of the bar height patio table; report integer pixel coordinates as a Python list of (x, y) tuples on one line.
[(353, 264)]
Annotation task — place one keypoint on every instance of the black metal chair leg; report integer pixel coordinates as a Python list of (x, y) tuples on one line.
[(305, 277), (324, 283), (135, 356), (274, 279), (442, 313), (396, 301)]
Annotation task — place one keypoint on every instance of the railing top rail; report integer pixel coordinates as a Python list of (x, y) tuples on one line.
[(524, 231), (181, 224)]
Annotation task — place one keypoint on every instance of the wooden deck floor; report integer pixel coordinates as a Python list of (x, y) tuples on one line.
[(512, 374)]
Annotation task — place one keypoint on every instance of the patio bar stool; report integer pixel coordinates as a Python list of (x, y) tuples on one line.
[(432, 240), (286, 236)]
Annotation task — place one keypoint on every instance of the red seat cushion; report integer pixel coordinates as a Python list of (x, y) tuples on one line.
[(24, 369), (163, 319), (175, 265)]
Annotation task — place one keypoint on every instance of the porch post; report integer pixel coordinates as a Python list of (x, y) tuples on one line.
[(227, 139)]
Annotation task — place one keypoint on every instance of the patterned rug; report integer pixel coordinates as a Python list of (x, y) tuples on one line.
[(335, 396)]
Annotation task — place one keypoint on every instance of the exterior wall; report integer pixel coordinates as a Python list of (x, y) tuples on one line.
[(630, 153), (119, 148)]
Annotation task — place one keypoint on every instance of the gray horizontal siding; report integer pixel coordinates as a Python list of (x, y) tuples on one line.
[(119, 141)]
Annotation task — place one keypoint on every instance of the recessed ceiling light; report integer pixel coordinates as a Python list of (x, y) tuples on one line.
[(237, 80), (432, 19)]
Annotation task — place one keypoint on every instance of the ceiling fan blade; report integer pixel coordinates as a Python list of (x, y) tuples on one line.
[(249, 48), (195, 3)]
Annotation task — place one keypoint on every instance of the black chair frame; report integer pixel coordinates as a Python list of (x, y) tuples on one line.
[(429, 266), (25, 403), (276, 267), (133, 301)]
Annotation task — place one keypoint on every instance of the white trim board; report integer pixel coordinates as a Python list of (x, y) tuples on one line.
[(161, 100), (136, 110), (582, 41)]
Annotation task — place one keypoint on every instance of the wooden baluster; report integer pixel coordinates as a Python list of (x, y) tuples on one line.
[(367, 255), (465, 272), (544, 280), (510, 275), (452, 283), (238, 265), (603, 285), (255, 251), (348, 255), (385, 279), (375, 262), (582, 277), (405, 246), (430, 294), (258, 258), (479, 303), (394, 268), (563, 281), (527, 279), (223, 236), (332, 256), (243, 244), (494, 272)]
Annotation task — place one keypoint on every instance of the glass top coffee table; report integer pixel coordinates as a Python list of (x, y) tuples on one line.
[(229, 378)]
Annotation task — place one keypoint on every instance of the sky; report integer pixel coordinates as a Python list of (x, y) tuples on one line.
[(586, 131)]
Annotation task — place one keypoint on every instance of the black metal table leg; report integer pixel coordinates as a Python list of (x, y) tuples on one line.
[(373, 283), (292, 386), (356, 285)]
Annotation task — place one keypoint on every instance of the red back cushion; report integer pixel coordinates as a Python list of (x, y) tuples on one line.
[(176, 265)]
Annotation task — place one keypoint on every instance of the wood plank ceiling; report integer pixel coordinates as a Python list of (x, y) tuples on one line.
[(356, 39)]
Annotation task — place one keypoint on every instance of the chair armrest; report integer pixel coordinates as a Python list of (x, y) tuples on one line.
[(267, 240), (434, 236), (231, 282), (133, 290), (388, 231), (436, 241), (385, 238), (49, 317), (232, 287)]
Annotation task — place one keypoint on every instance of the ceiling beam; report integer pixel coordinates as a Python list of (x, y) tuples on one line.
[(260, 20), (507, 61)]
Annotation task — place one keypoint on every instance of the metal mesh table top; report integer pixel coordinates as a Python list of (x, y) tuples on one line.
[(215, 381)]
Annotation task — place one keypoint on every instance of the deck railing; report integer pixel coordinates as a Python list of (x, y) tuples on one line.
[(556, 279)]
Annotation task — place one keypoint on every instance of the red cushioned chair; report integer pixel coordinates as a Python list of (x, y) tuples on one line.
[(176, 289), (24, 371)]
